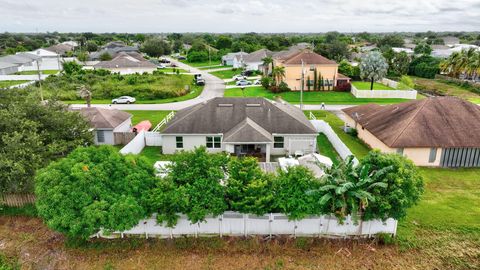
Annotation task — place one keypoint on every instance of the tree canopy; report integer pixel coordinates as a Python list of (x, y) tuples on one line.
[(156, 47), (373, 67)]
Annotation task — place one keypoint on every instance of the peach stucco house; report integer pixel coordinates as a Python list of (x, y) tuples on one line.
[(434, 132), (326, 68)]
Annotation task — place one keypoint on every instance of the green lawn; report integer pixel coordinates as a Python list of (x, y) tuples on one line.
[(326, 148), (226, 74), (366, 86), (34, 72), (153, 116), (202, 64), (357, 146), (214, 67), (329, 97), (5, 84), (442, 88), (154, 154), (169, 69)]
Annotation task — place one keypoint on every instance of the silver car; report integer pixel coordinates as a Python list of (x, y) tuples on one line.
[(123, 100)]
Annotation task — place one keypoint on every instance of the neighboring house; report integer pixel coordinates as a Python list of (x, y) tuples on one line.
[(61, 49), (7, 68), (106, 122), (113, 52), (49, 60), (114, 44), (254, 60), (450, 41), (309, 61), (228, 59), (71, 43), (407, 50), (242, 127), (23, 61), (437, 132), (127, 63)]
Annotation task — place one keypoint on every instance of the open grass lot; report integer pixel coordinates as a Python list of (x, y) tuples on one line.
[(169, 69), (5, 84), (153, 116), (443, 88), (34, 72), (366, 86), (329, 97), (226, 74)]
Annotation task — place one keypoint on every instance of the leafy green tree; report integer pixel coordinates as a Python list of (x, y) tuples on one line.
[(404, 186), (292, 196), (400, 63), (373, 67), (423, 48), (223, 42), (248, 189), (93, 189), (82, 56), (424, 66), (32, 135), (91, 46), (71, 67), (337, 50), (156, 47), (391, 40)]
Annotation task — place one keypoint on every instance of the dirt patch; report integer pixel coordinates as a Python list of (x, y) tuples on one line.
[(36, 247)]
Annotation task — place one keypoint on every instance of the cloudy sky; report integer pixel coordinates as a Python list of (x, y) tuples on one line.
[(238, 16)]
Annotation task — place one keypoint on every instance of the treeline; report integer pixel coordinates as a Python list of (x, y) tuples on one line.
[(96, 188)]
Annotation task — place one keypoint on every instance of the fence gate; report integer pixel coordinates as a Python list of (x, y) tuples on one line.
[(123, 138), (460, 157)]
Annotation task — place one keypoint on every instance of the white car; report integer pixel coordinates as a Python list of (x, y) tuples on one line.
[(257, 82), (162, 66), (123, 100), (243, 83), (239, 77)]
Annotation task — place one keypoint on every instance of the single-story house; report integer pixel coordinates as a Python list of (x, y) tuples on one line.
[(106, 122), (127, 63), (241, 126), (113, 52), (436, 132), (23, 61), (61, 49), (49, 60), (252, 61), (7, 68), (228, 59), (310, 62)]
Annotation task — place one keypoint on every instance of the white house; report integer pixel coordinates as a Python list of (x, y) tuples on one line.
[(49, 60), (23, 61), (254, 60), (106, 122), (241, 126), (228, 59), (7, 68)]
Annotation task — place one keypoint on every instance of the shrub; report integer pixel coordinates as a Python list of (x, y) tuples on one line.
[(266, 82), (406, 80), (424, 66), (344, 87), (92, 189), (352, 132), (283, 87)]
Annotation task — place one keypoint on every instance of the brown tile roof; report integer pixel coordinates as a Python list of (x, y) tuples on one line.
[(434, 122), (224, 115), (104, 118), (308, 58)]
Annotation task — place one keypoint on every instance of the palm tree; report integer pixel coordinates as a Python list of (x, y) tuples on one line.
[(465, 63), (278, 73), (85, 94), (266, 65)]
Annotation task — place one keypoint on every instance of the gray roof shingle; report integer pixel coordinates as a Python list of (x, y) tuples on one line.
[(104, 118)]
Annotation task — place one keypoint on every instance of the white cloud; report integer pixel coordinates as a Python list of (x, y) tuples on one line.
[(238, 16)]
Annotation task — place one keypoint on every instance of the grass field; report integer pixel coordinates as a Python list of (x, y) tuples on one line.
[(5, 84), (442, 88), (153, 116), (366, 86), (202, 64), (34, 72), (226, 74), (169, 69), (328, 97)]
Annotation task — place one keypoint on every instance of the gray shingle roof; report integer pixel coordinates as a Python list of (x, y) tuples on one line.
[(257, 56), (104, 118), (19, 59), (223, 115), (125, 60), (247, 131)]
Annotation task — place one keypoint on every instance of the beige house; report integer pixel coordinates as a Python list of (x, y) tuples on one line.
[(127, 63), (436, 132), (308, 62)]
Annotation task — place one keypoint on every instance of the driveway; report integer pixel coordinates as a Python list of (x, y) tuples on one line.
[(214, 87)]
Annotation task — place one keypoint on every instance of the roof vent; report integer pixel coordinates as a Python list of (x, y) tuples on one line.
[(225, 105), (253, 105)]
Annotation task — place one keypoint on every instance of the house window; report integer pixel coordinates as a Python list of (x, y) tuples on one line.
[(278, 142), (312, 67), (100, 136), (433, 155), (179, 142), (400, 151), (214, 142)]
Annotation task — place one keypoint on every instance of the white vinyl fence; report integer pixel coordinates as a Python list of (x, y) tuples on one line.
[(22, 77), (340, 147), (237, 224), (136, 145), (153, 139), (406, 94)]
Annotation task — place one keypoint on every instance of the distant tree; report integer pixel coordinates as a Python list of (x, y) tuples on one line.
[(266, 62), (82, 56), (345, 68), (223, 42), (156, 47), (93, 189), (34, 134), (105, 57), (71, 67), (337, 50), (391, 40), (423, 48), (177, 45), (424, 66), (373, 67), (91, 46), (400, 64)]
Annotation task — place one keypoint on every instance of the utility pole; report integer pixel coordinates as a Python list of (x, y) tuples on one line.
[(39, 79), (302, 86), (209, 57)]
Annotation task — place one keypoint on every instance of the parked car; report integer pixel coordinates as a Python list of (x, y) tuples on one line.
[(165, 61), (197, 76), (124, 100), (247, 73), (257, 82), (161, 66), (243, 83), (181, 58), (173, 65), (200, 81), (239, 77)]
